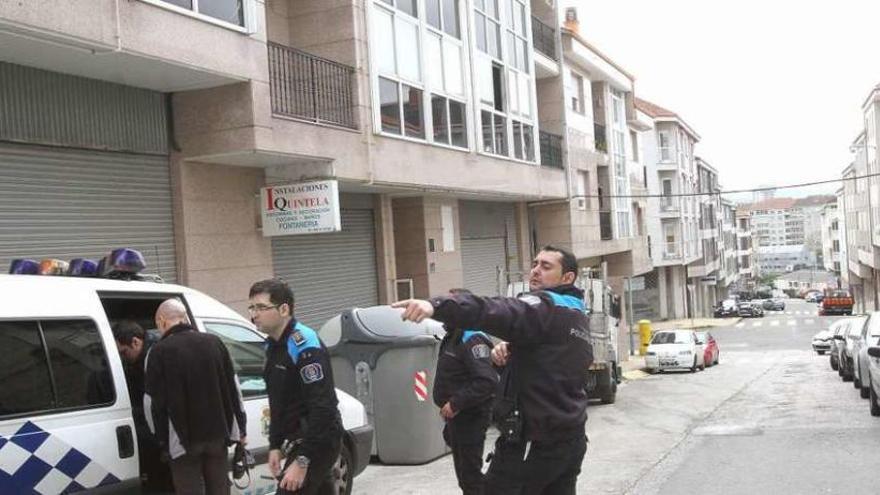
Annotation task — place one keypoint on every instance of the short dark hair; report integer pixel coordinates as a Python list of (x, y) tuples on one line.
[(278, 290), (569, 261), (460, 292), (125, 331)]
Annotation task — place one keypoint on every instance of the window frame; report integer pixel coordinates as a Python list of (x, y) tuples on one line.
[(238, 324), (51, 373), (249, 15)]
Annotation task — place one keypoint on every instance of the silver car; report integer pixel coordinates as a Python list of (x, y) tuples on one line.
[(834, 352), (845, 338), (867, 337)]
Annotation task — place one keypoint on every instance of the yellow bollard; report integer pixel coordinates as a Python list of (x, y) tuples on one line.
[(644, 336)]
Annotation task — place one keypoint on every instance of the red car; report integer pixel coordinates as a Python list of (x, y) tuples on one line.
[(711, 351)]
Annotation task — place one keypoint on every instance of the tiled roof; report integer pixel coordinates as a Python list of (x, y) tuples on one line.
[(771, 204), (653, 110)]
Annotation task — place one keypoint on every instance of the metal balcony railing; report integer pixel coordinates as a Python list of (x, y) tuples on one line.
[(671, 250), (600, 138), (669, 204), (308, 87), (605, 229), (544, 38), (551, 149)]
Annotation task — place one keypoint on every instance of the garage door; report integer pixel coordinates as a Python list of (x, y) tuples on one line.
[(330, 273), (64, 203), (480, 260)]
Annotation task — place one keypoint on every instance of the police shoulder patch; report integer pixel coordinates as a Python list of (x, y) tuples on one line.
[(298, 338), (530, 299), (312, 373), (480, 351)]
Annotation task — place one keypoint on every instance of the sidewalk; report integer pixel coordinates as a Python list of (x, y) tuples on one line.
[(694, 324), (633, 368)]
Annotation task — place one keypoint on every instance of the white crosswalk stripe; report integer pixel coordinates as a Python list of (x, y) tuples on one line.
[(788, 312), (809, 321), (774, 323), (791, 323), (740, 325), (757, 324)]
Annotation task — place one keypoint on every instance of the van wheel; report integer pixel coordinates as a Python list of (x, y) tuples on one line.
[(875, 408), (343, 472), (694, 367)]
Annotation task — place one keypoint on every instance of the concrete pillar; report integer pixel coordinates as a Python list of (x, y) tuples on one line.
[(523, 237), (679, 294), (386, 264), (663, 298), (220, 248)]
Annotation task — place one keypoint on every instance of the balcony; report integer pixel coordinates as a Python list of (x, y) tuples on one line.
[(605, 226), (671, 251), (544, 38), (311, 88), (669, 207), (551, 149), (600, 138)]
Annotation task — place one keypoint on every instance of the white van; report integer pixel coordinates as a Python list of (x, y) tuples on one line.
[(65, 414)]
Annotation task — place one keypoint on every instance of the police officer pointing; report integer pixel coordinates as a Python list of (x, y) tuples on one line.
[(464, 386), (305, 432), (543, 440)]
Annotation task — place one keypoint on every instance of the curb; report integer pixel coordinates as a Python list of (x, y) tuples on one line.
[(635, 375)]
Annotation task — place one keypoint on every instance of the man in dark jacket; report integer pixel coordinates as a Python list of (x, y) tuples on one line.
[(549, 352), (305, 429), (463, 390), (134, 343), (195, 407)]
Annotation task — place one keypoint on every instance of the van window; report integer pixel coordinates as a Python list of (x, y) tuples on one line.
[(246, 348), (53, 365)]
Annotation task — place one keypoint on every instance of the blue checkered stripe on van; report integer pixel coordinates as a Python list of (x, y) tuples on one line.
[(36, 462)]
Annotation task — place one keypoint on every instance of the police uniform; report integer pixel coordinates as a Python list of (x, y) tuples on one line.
[(304, 419), (466, 380), (550, 353)]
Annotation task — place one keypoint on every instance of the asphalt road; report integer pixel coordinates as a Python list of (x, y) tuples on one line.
[(771, 418)]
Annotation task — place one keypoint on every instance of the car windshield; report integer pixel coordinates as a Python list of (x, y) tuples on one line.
[(874, 325), (671, 338), (839, 293)]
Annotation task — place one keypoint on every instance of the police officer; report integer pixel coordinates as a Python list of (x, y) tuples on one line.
[(463, 390), (305, 429), (543, 440)]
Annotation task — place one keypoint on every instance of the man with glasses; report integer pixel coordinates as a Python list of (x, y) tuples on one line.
[(305, 429)]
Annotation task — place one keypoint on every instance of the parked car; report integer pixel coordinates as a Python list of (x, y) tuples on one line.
[(822, 342), (81, 411), (870, 333), (812, 296), (873, 354), (749, 310), (726, 308), (836, 302), (845, 343), (674, 349), (773, 304), (711, 352), (834, 352)]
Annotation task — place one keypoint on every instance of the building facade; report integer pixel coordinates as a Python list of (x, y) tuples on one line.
[(832, 239)]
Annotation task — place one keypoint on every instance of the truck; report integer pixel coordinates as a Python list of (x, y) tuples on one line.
[(603, 375), (836, 302)]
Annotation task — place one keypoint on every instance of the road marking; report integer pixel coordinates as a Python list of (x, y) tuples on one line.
[(740, 325), (791, 323), (788, 312), (809, 321), (757, 324), (774, 323)]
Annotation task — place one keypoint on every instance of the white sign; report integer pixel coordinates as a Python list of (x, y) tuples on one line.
[(305, 208), (636, 283), (710, 280)]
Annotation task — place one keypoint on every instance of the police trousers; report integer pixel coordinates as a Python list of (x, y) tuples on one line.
[(465, 434), (539, 468), (319, 477)]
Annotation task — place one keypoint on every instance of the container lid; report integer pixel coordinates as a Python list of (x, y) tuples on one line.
[(385, 323)]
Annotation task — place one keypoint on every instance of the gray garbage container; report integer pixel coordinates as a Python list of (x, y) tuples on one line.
[(389, 364)]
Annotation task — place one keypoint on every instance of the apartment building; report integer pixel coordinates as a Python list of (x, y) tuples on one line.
[(842, 234), (748, 271), (728, 271), (160, 127), (832, 239), (705, 272), (673, 219)]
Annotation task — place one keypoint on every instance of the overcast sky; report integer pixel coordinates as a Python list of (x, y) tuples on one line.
[(773, 87)]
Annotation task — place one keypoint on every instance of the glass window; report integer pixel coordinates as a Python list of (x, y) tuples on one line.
[(231, 11), (24, 371), (522, 55), (500, 135), (498, 87), (525, 96), (389, 106), (522, 19), (440, 118), (517, 140), (187, 4), (432, 12), (480, 31), (408, 51), (79, 363), (412, 112), (493, 39), (450, 18), (529, 142), (492, 8), (384, 32), (484, 78), (511, 49), (458, 124), (488, 145), (434, 59), (512, 91), (408, 6), (452, 68), (247, 353)]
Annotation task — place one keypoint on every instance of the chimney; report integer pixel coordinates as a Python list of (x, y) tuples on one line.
[(571, 20)]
